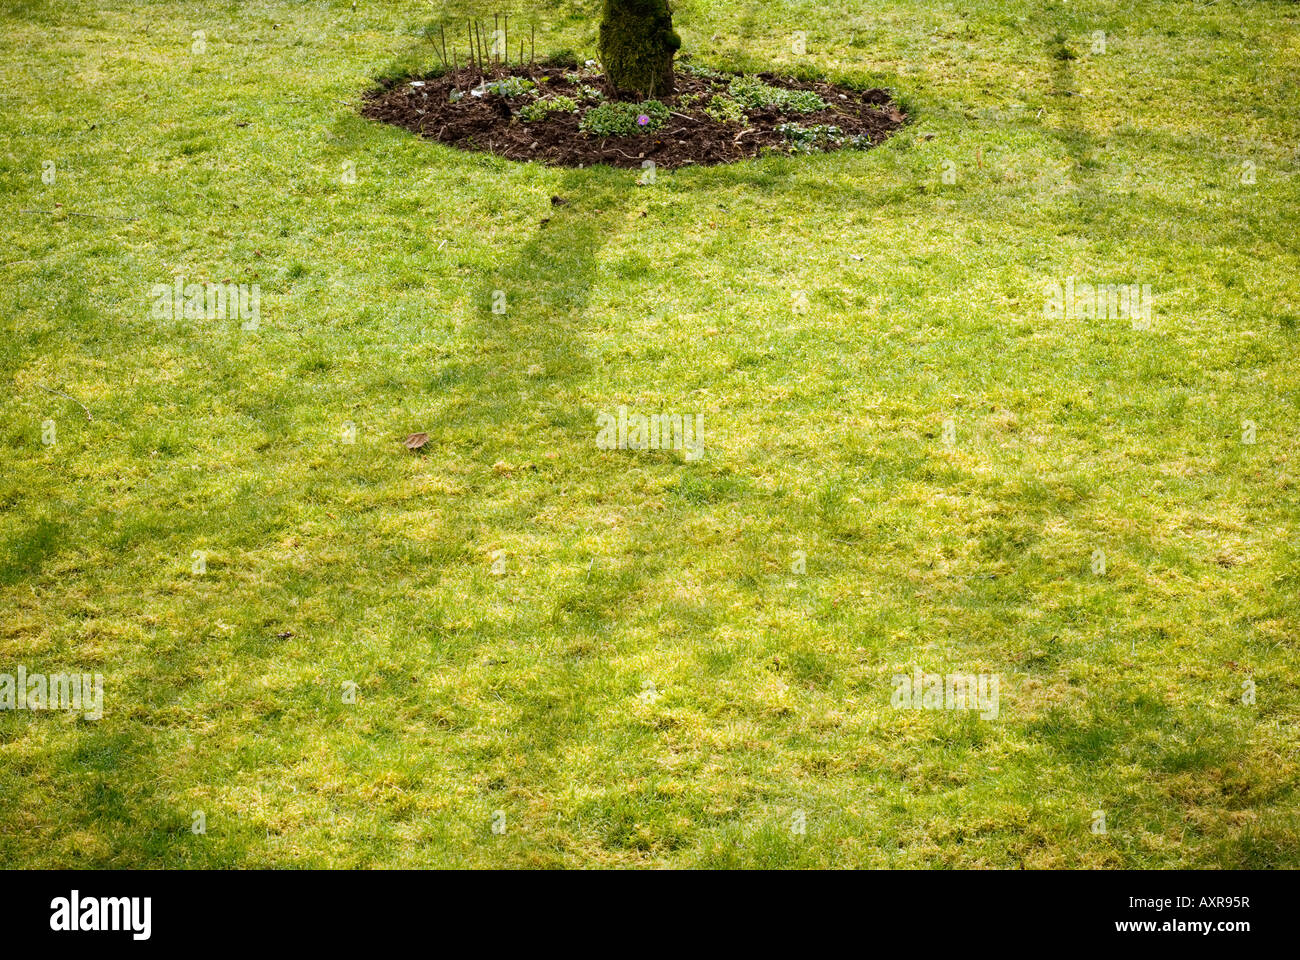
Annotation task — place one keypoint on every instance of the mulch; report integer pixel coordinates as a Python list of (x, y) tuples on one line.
[(490, 123)]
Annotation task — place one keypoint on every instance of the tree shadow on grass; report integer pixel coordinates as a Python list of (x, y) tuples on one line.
[(1072, 134), (526, 328)]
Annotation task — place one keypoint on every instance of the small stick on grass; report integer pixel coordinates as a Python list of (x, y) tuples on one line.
[(59, 393), (73, 213)]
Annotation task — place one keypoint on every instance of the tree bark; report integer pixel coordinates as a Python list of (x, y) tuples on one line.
[(637, 45)]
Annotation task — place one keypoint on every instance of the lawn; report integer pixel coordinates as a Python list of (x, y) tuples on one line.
[(515, 647)]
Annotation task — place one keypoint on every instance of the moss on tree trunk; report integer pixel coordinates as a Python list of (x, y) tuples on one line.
[(637, 44)]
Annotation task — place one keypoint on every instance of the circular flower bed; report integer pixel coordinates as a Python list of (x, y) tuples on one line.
[(560, 114)]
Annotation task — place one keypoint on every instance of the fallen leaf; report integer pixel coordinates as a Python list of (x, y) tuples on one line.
[(416, 440)]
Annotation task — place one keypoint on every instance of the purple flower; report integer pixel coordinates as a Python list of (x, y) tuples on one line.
[(642, 120)]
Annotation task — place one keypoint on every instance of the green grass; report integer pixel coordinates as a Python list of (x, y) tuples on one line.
[(529, 692)]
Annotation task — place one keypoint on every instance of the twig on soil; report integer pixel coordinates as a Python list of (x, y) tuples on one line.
[(59, 393)]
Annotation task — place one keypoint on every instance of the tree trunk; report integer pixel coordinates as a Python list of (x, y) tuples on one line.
[(637, 44)]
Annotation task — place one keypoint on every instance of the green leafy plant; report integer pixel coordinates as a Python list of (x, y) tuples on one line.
[(697, 70), (725, 110), (755, 94), (820, 137), (538, 109), (618, 119), (510, 86), (810, 139)]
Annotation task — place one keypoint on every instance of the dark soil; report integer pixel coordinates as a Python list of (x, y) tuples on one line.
[(491, 123)]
